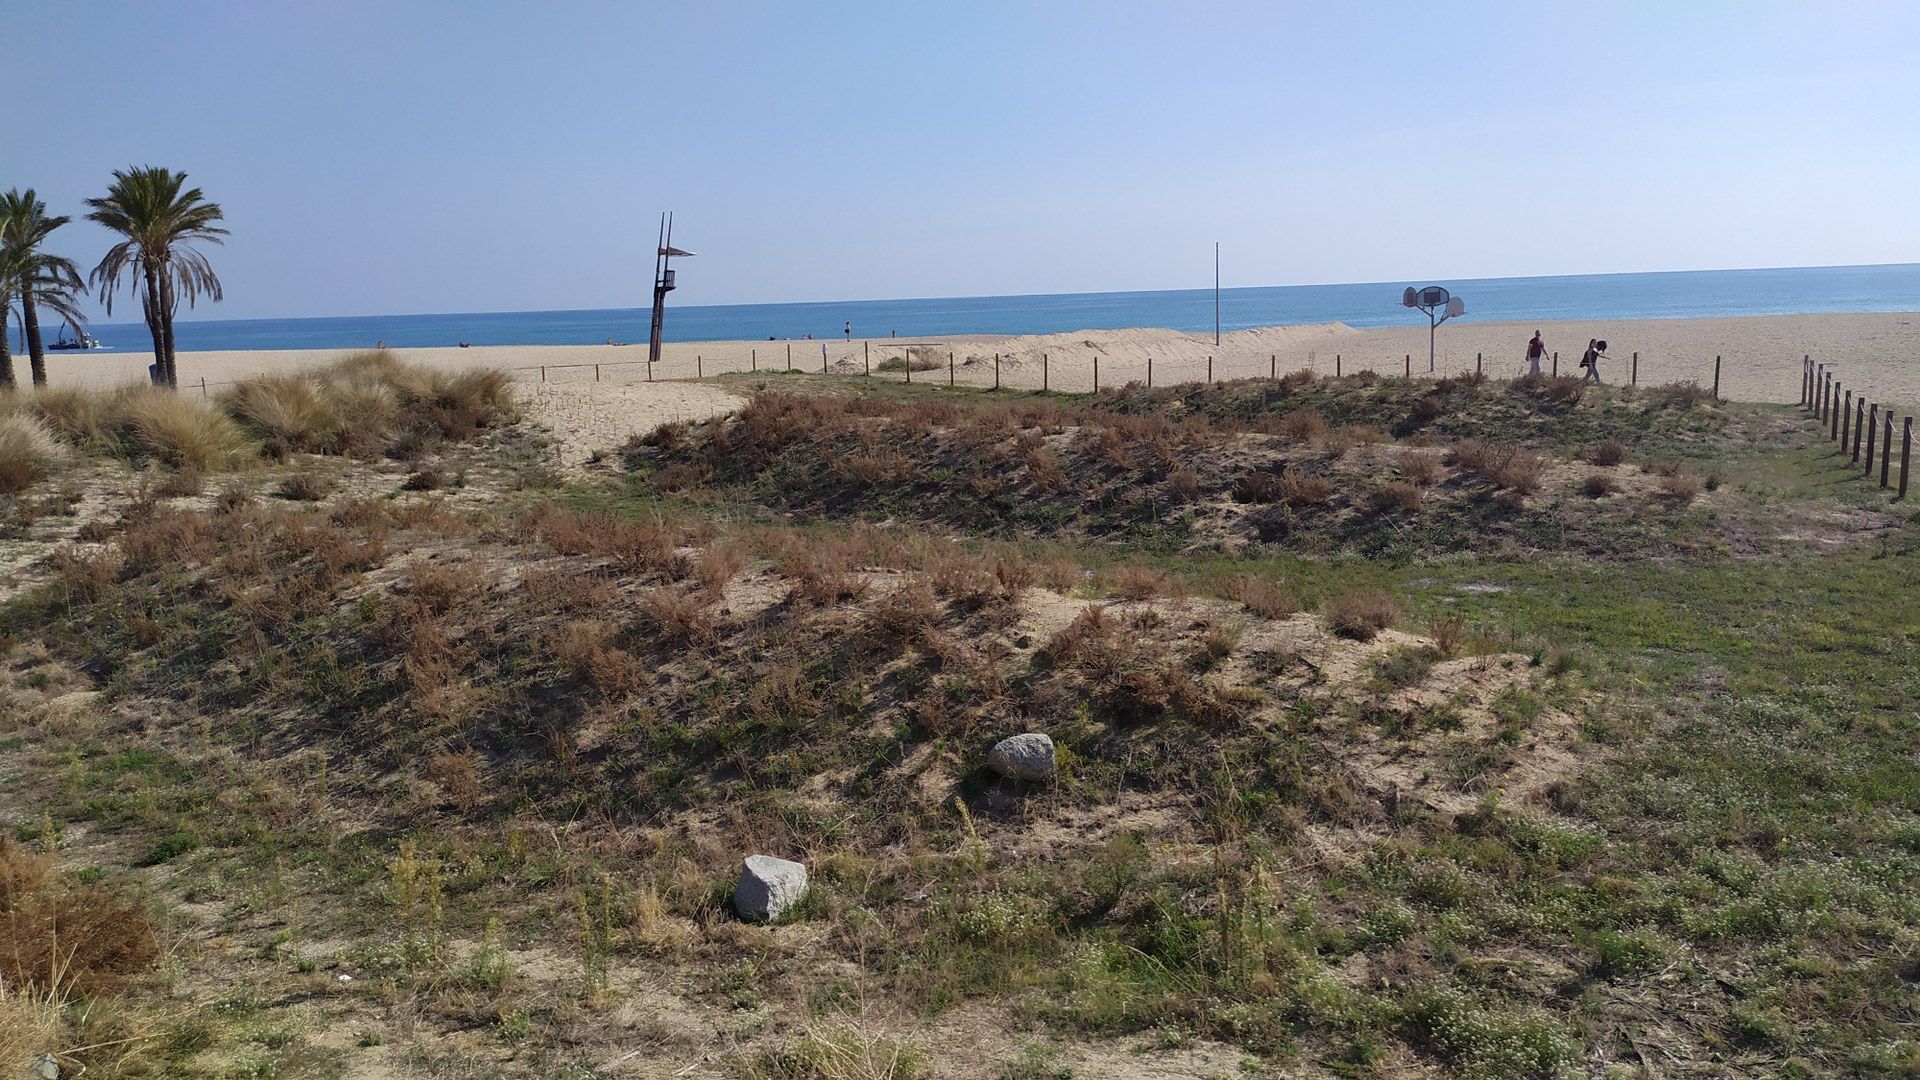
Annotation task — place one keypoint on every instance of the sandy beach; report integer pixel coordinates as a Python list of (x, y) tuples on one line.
[(1875, 353)]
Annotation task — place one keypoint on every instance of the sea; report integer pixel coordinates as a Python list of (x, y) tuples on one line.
[(1669, 295)]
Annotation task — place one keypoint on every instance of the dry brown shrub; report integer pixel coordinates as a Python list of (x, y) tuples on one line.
[(1045, 471), (84, 577), (1303, 425), (587, 651), (1681, 487), (1665, 467), (1362, 614), (671, 617), (1599, 485), (58, 934), (1427, 408), (681, 476), (1449, 632), (818, 585), (1291, 488), (1295, 380), (1475, 456), (1681, 395), (1397, 495), (719, 564), (904, 616), (1183, 485), (1264, 596), (568, 590), (1520, 473), (643, 547), (305, 487), (1091, 632), (1141, 583), (458, 776), (441, 587), (1420, 468), (1607, 452)]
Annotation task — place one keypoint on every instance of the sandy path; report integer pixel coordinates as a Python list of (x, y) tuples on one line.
[(1877, 353), (586, 417)]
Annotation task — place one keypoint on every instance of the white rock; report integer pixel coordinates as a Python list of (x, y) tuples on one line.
[(1023, 757), (768, 886)]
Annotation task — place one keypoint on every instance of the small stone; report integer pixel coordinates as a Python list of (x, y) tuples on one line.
[(1023, 757), (768, 887)]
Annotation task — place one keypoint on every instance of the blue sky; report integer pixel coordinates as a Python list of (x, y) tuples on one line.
[(393, 157)]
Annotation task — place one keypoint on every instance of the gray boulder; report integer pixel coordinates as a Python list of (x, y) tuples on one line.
[(1023, 757), (768, 886)]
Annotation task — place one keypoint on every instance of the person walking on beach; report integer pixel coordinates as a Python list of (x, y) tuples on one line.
[(849, 330), (1536, 351), (1596, 351)]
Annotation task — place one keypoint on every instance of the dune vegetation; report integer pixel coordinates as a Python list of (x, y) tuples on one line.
[(1456, 727)]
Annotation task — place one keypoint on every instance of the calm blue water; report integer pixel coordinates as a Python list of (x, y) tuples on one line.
[(1598, 296)]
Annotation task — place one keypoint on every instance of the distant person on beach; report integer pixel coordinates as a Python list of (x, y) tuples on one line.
[(1536, 350), (849, 330), (1596, 352)]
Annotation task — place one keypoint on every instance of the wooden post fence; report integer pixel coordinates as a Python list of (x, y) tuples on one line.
[(543, 373), (1336, 365), (996, 371), (1556, 365), (1716, 378), (699, 367), (753, 357), (1845, 418), (1906, 452), (949, 369), (1886, 447), (1209, 369), (823, 358), (1859, 414), (1833, 414), (1636, 370), (1476, 364), (1409, 365), (1044, 379), (203, 381), (866, 358), (1149, 372), (1096, 373), (1273, 365), (1873, 430), (789, 357)]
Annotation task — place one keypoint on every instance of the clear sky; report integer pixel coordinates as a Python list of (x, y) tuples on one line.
[(419, 156)]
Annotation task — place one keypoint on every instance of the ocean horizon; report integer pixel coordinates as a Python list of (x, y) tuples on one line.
[(1653, 295)]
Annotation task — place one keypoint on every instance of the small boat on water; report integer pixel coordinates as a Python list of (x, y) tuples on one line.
[(84, 341)]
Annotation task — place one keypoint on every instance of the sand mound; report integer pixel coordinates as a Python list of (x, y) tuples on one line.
[(585, 417)]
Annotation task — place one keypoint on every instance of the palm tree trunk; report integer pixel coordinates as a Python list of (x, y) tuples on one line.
[(150, 300), (29, 318), (166, 325), (6, 353)]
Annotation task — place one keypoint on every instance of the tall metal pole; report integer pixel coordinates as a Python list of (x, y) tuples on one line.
[(659, 291), (1216, 294)]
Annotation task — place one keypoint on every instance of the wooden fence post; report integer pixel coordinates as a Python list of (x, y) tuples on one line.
[(1556, 365), (1833, 414), (1873, 430), (1886, 447), (1149, 371), (1906, 452), (1806, 382), (789, 357), (1209, 369), (596, 373), (996, 371), (1846, 420), (1476, 364), (1273, 365), (823, 358), (909, 359), (1716, 378), (866, 360), (203, 384), (1096, 372), (1410, 364), (753, 357), (949, 369), (1636, 370), (1045, 379), (1336, 365), (1859, 414)]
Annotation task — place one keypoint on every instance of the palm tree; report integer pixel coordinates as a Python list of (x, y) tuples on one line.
[(156, 261), (40, 279)]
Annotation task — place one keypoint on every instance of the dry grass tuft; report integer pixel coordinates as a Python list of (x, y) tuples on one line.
[(1681, 487), (1607, 452), (1599, 486), (27, 453), (1362, 615), (1264, 596), (61, 934), (183, 432), (305, 487), (1420, 468), (1397, 495), (1304, 425)]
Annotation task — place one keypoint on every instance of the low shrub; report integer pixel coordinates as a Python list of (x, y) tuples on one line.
[(1599, 485), (1363, 614), (1264, 596), (305, 487), (1420, 468), (1397, 495), (1680, 395), (1681, 487), (1607, 452), (1304, 425), (176, 430), (27, 453), (63, 934), (1291, 488)]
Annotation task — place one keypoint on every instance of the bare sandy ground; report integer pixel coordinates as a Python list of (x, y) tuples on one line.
[(585, 417), (1876, 353)]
